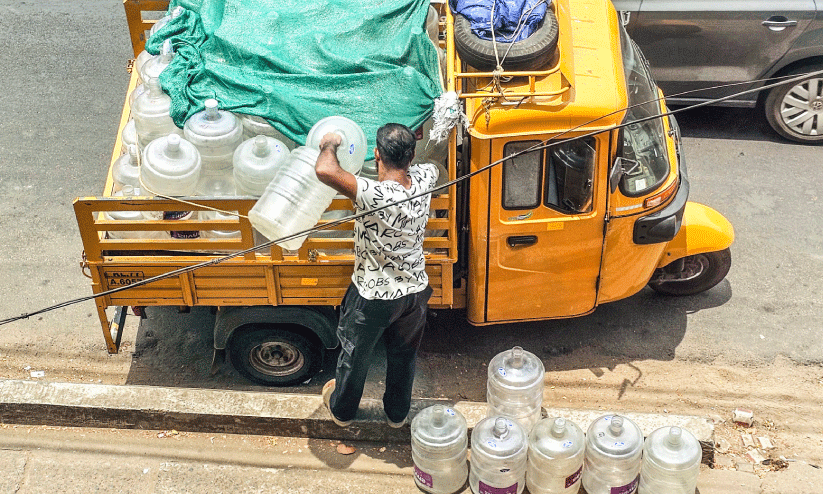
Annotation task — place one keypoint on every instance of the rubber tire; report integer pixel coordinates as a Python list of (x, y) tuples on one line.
[(772, 104), (245, 344), (719, 263), (533, 53)]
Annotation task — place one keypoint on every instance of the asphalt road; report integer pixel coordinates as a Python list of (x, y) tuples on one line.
[(62, 84)]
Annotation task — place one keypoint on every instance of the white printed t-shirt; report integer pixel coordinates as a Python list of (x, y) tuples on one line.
[(388, 244)]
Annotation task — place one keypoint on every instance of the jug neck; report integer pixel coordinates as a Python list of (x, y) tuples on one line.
[(516, 359), (616, 426), (260, 148), (675, 437), (153, 87), (173, 146), (439, 416), (501, 428), (211, 113), (134, 155), (559, 427), (167, 51)]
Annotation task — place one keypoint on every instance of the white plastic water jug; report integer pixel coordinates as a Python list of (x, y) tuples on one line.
[(218, 234), (137, 91), (126, 170), (151, 114), (556, 448), (256, 161), (432, 25), (129, 191), (499, 450), (254, 126), (215, 184), (514, 387), (216, 134), (614, 446), (128, 136), (165, 20), (141, 59), (352, 151), (671, 462), (151, 68), (171, 166), (295, 199), (439, 439)]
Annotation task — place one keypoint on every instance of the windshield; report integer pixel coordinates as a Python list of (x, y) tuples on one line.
[(642, 145)]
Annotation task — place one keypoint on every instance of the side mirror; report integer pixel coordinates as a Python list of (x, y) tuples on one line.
[(616, 174)]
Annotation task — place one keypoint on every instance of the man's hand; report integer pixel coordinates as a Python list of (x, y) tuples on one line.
[(328, 169), (331, 139)]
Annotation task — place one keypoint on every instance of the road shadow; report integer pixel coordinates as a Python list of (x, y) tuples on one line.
[(717, 122), (175, 349)]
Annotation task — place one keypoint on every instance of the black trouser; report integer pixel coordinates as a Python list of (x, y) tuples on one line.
[(399, 323)]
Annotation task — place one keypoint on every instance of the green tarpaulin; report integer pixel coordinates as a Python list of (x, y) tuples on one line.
[(294, 62)]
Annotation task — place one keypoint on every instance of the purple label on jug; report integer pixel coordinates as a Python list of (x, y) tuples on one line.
[(626, 489), (487, 489), (181, 215), (573, 478), (423, 477)]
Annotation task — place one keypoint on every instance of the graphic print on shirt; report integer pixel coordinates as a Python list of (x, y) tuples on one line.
[(388, 246)]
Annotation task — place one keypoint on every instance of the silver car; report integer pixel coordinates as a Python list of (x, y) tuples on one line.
[(695, 45)]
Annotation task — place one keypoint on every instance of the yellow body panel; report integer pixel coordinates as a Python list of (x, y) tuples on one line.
[(703, 230)]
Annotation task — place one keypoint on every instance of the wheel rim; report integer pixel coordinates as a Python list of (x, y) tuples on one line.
[(802, 108), (276, 358)]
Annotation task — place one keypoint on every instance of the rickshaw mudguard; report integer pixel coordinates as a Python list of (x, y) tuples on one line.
[(703, 230)]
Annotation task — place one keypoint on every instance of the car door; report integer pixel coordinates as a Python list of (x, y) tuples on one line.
[(697, 44)]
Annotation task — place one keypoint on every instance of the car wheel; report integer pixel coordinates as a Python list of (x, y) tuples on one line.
[(533, 53), (795, 110), (273, 357), (699, 272)]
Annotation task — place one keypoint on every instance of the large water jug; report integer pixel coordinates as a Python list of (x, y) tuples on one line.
[(165, 20), (151, 114), (514, 387), (126, 169), (171, 166), (141, 59), (433, 25), (137, 91), (256, 161), (129, 191), (151, 68), (556, 448), (671, 462), (128, 136), (256, 126), (428, 150), (295, 199), (439, 438), (216, 134), (499, 450), (217, 185), (614, 446), (352, 151)]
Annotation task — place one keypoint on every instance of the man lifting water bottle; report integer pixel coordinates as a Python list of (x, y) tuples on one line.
[(388, 297)]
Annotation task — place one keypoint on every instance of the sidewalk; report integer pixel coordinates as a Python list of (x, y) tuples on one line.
[(229, 441)]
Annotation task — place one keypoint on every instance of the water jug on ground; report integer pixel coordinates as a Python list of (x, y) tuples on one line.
[(555, 464), (671, 462), (439, 439), (614, 446), (514, 387), (498, 458)]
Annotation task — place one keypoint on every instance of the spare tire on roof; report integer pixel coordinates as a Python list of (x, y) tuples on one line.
[(533, 53)]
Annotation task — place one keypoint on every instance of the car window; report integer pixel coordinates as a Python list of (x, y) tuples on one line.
[(521, 176), (642, 145), (570, 175)]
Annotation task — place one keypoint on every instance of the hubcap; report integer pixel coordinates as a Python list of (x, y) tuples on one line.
[(276, 358), (802, 108)]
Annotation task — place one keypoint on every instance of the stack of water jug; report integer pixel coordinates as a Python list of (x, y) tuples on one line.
[(220, 153), (513, 447)]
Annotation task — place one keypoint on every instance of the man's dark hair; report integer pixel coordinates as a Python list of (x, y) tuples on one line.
[(396, 142)]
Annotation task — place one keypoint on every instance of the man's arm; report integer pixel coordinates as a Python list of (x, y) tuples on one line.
[(330, 172)]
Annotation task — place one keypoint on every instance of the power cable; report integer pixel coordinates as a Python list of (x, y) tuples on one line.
[(539, 146)]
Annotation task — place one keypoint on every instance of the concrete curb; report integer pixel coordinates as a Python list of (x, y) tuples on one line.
[(243, 412)]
